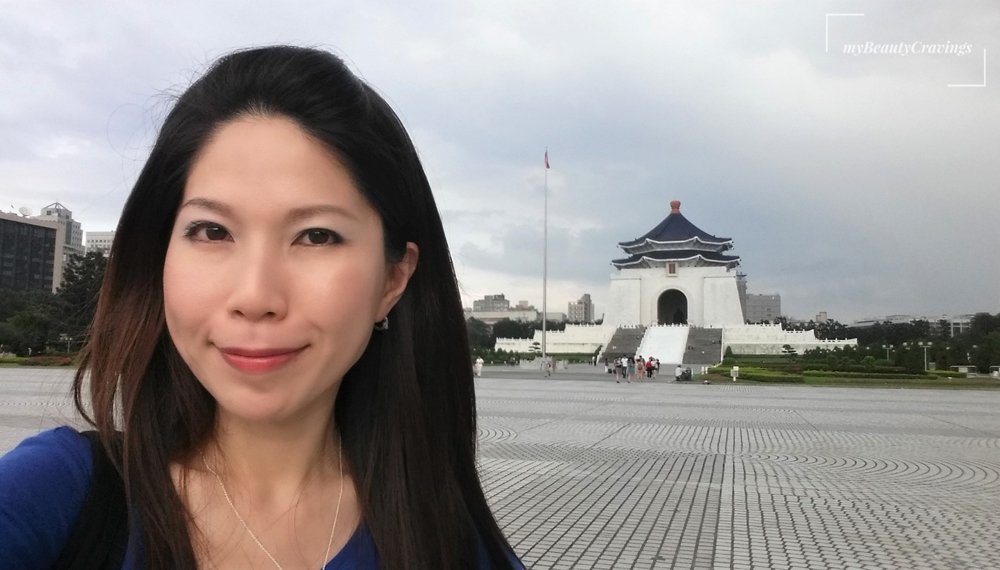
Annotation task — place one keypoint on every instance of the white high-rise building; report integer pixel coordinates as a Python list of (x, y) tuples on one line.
[(71, 230), (581, 311), (100, 241)]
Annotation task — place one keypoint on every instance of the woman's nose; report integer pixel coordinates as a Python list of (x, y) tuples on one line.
[(258, 287)]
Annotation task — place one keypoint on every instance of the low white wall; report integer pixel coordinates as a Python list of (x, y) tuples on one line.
[(770, 339), (575, 339)]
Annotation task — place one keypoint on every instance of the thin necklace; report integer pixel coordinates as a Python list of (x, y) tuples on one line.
[(333, 529)]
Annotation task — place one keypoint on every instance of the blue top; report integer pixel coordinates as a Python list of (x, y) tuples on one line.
[(43, 484)]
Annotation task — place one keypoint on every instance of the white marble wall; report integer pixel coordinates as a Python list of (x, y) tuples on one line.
[(712, 296), (575, 339), (770, 339)]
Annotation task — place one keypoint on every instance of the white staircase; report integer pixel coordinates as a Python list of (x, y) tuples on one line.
[(665, 342)]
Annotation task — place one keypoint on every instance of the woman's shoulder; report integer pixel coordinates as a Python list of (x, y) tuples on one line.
[(57, 455), (61, 454), (43, 483)]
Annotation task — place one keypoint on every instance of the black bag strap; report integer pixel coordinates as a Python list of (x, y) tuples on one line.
[(100, 534)]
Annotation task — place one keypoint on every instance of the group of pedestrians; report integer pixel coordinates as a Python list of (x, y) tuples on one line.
[(631, 368)]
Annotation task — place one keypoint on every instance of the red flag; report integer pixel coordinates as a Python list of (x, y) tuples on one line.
[(546, 158)]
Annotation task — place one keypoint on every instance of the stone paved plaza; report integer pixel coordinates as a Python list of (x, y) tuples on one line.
[(587, 473)]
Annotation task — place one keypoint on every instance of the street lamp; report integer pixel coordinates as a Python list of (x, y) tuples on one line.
[(887, 348), (925, 346)]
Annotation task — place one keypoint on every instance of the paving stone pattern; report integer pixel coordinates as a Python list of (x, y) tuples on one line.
[(586, 473)]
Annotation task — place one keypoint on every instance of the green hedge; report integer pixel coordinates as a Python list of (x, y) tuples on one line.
[(47, 360), (784, 378), (838, 374), (757, 374), (924, 382), (949, 374), (854, 368)]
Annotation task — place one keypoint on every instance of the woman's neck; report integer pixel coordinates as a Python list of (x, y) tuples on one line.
[(271, 462)]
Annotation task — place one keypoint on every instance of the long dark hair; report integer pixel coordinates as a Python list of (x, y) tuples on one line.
[(406, 411)]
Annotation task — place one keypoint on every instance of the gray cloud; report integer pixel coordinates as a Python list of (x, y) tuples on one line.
[(858, 185)]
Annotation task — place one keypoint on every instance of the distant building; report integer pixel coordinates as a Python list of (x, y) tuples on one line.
[(760, 308), (72, 232), (581, 311), (821, 317), (31, 252), (491, 317), (678, 296), (100, 241), (675, 274), (957, 324), (491, 303), (890, 319), (493, 308)]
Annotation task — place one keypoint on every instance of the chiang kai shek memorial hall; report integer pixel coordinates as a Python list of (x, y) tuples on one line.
[(677, 297)]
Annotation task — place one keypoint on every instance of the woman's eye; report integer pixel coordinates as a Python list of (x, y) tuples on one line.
[(318, 236), (202, 231)]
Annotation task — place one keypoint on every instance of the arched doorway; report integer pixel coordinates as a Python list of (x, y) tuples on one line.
[(672, 308)]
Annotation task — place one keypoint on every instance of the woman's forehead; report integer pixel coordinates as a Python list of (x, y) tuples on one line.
[(272, 164)]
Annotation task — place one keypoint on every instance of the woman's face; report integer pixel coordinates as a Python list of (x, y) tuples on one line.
[(275, 272)]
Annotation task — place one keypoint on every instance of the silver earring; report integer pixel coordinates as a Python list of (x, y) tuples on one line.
[(382, 325)]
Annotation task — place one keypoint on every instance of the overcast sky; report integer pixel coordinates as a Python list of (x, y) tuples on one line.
[(862, 185)]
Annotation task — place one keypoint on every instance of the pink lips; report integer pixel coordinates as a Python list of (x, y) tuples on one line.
[(253, 360)]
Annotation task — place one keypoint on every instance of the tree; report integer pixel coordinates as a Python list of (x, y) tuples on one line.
[(78, 292), (506, 328), (987, 352), (550, 325), (480, 336), (831, 329), (982, 325), (34, 326), (28, 320), (942, 330)]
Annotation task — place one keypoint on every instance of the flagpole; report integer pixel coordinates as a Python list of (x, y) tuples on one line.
[(545, 262)]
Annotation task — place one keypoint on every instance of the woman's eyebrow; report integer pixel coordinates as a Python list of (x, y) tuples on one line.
[(208, 205), (304, 212), (293, 215)]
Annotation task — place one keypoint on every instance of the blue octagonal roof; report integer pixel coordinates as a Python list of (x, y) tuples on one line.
[(675, 228)]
